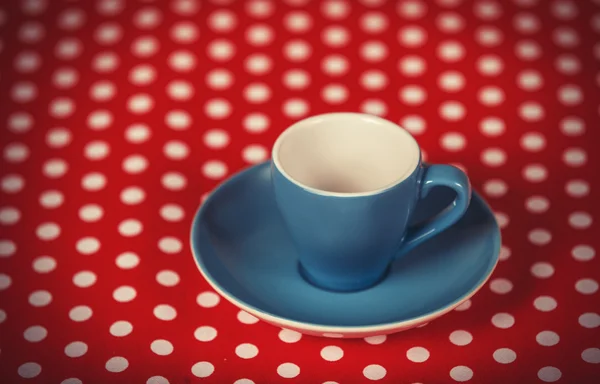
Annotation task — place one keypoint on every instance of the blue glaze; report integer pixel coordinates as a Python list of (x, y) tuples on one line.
[(346, 243), (241, 246)]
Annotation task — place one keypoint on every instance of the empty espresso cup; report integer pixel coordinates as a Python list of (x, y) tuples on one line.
[(346, 185)]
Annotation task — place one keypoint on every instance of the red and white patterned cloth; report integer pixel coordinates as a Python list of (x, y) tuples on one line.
[(117, 118)]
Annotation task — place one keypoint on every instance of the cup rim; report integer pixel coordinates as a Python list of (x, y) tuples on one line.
[(386, 123)]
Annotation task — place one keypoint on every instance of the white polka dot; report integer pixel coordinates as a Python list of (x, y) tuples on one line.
[(93, 181), (461, 338), (182, 61), (504, 355), (29, 370), (572, 126), (132, 195), (288, 370), (450, 22), (203, 369), (44, 264), (80, 313), (503, 320), (528, 50), (490, 65), (31, 32), (184, 32), (7, 248), (9, 215), (130, 227), (108, 33), (246, 351), (55, 168), (412, 66), (335, 36), (412, 36), (167, 278), (451, 81), (76, 349), (453, 141), (161, 347), (547, 338), (374, 372), (27, 62), (20, 122), (5, 282), (68, 48), (35, 333), (157, 380), (135, 164), (208, 299), (172, 212), (102, 91), (121, 328), (591, 355), (412, 95), (495, 188), (221, 50), (450, 51), (127, 260), (492, 126), (246, 318), (589, 320), (461, 373), (567, 64), (586, 286), (335, 65), (214, 169), (570, 95), (491, 96), (170, 245), (256, 93), (545, 303), (493, 157), (48, 231), (580, 220), (335, 9), (373, 51), (541, 269), (452, 110), (84, 279), (145, 46), (137, 133), (259, 35), (217, 108), (142, 74), (147, 18), (124, 294), (205, 333), (533, 141), (12, 183), (71, 19), (549, 374), (289, 336), (296, 79), (58, 137), (374, 107), (295, 108), (332, 353), (583, 253), (105, 62), (374, 22), (417, 354), (530, 80), (2, 316), (298, 22), (376, 340), (180, 90), (87, 245), (574, 157), (173, 181), (565, 37), (334, 94), (116, 364), (140, 103), (254, 154), (40, 298), (535, 173), (501, 286), (414, 124), (297, 50), (537, 204), (65, 77), (96, 150), (256, 64), (16, 152)]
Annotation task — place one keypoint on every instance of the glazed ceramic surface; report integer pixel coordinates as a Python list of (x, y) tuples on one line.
[(243, 250), (346, 185)]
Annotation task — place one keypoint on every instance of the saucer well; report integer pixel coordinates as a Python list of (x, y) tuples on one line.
[(242, 249)]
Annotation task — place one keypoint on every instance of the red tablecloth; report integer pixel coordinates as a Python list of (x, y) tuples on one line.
[(118, 117)]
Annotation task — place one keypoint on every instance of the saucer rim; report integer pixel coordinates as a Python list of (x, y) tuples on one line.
[(284, 322)]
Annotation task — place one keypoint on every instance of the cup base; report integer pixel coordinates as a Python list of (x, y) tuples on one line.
[(347, 286)]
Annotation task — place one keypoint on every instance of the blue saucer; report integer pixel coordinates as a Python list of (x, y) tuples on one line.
[(244, 252)]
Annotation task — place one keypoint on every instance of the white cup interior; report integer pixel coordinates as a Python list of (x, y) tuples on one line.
[(346, 154)]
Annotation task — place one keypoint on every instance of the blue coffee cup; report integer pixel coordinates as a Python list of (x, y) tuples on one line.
[(346, 185)]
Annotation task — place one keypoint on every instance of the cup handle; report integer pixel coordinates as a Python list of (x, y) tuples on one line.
[(439, 175)]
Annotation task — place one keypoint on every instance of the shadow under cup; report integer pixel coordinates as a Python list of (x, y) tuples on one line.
[(346, 185)]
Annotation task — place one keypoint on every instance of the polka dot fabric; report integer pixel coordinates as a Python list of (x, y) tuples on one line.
[(118, 118)]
